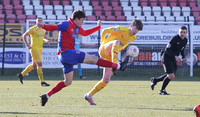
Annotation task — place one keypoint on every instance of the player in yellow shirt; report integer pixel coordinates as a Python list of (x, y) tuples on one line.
[(113, 40), (37, 37)]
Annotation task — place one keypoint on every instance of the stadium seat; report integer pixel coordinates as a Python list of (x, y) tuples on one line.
[(68, 8), (107, 13), (176, 11), (21, 17), (143, 3), (110, 18), (9, 12), (42, 16), (107, 8), (45, 2), (98, 13), (163, 3), (88, 12), (61, 17), (58, 9), (103, 18), (97, 8), (156, 11), (160, 19), (58, 12), (121, 18), (182, 3), (150, 19), (104, 3), (31, 17), (38, 7), (29, 12), (153, 3), (198, 23), (2, 16), (16, 2), (142, 18), (55, 2), (39, 12), (172, 3), (75, 2), (114, 4), (191, 19), (180, 19), (86, 3), (11, 17), (124, 4), (78, 7), (117, 8), (169, 19), (137, 11), (186, 11), (197, 19), (64, 3), (51, 17), (6, 2), (118, 13), (18, 12), (68, 13), (36, 2), (95, 3), (196, 11), (130, 18), (166, 11), (127, 11), (26, 3), (91, 18), (147, 11), (134, 3), (12, 21)]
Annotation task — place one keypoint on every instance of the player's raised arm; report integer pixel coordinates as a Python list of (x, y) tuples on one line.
[(90, 31)]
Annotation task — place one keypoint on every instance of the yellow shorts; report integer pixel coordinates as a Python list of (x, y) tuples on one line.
[(104, 53), (36, 55)]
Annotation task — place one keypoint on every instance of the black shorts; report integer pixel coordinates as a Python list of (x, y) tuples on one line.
[(169, 64)]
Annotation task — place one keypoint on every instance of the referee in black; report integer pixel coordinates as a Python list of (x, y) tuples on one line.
[(169, 57)]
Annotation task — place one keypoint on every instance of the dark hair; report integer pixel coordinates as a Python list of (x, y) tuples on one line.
[(183, 28), (138, 23), (78, 14)]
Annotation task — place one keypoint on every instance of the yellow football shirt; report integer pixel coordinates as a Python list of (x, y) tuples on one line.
[(119, 33), (37, 37)]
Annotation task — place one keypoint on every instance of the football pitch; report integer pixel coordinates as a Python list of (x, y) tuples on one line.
[(130, 98)]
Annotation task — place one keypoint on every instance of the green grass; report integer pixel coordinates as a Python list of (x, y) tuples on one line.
[(131, 98)]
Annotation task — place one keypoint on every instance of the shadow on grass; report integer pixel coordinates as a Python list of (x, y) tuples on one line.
[(171, 109), (29, 113)]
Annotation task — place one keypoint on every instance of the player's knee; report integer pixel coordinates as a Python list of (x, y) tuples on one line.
[(106, 80), (67, 83), (171, 76)]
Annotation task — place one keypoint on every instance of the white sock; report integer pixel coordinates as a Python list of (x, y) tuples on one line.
[(47, 96), (118, 65)]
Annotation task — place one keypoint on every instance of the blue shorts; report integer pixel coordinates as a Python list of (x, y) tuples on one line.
[(69, 58)]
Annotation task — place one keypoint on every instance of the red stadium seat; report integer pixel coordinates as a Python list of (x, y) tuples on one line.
[(172, 3), (18, 7), (118, 8), (21, 21), (31, 17), (2, 21), (98, 13), (91, 18), (107, 8), (8, 7), (1, 11), (95, 3), (97, 8), (46, 2), (110, 18), (21, 17), (118, 13), (196, 14), (197, 19), (16, 2), (18, 12), (153, 3), (2, 16), (9, 12), (108, 13), (163, 3), (56, 2), (114, 4), (1, 6), (102, 18), (11, 17), (6, 2), (192, 4), (121, 18), (65, 3), (105, 3), (198, 23), (143, 4), (182, 4), (195, 9), (11, 21)]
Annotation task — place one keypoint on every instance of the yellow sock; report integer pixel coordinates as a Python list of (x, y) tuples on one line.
[(28, 69), (40, 73), (115, 51), (100, 85)]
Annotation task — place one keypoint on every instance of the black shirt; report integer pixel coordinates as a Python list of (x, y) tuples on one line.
[(176, 46)]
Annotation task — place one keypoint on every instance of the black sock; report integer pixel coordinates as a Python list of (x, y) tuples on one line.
[(165, 83), (160, 78)]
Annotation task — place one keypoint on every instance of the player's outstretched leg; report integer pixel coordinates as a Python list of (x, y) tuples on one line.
[(20, 78), (153, 83), (88, 97), (43, 99)]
